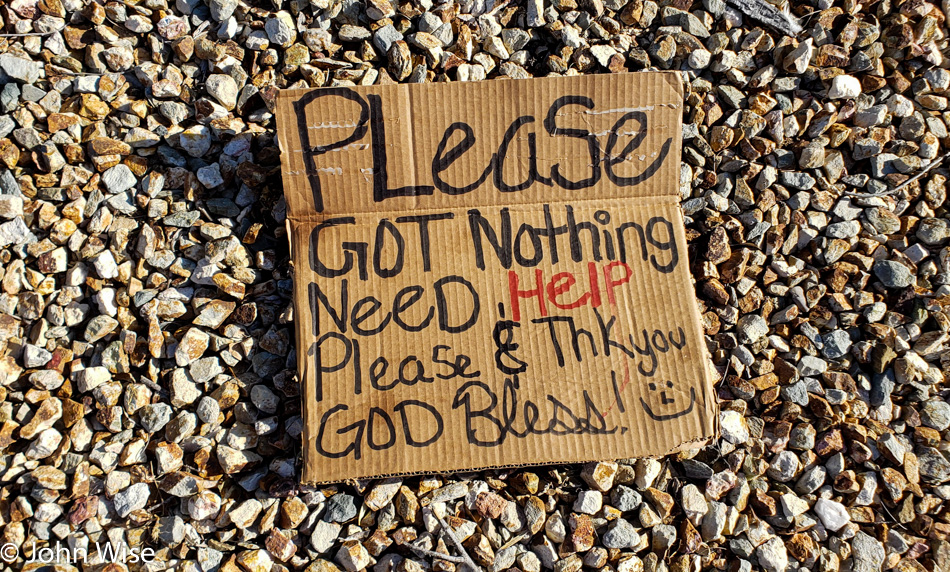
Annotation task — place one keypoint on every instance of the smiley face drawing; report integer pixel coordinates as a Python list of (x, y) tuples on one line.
[(668, 403)]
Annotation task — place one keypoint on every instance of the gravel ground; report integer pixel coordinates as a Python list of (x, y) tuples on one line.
[(147, 374)]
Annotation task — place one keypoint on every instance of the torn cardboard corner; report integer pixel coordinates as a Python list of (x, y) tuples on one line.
[(491, 274)]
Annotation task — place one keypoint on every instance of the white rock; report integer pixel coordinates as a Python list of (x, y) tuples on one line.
[(11, 206), (35, 356), (210, 176), (603, 53), (751, 328), (871, 116), (105, 265), (130, 499), (48, 512), (92, 377), (900, 106), (223, 88), (184, 392), (383, 492), (496, 47), (245, 514), (353, 556), (205, 504), (46, 379), (589, 502), (733, 426), (797, 60), (76, 276), (572, 38), (812, 366), (208, 409), (699, 59), (647, 471), (714, 521), (535, 13), (22, 69), (793, 506), (138, 24), (832, 514), (694, 503), (280, 30), (844, 87), (15, 232), (220, 9), (772, 555), (118, 179), (86, 84), (204, 272), (324, 535), (195, 140), (105, 299), (44, 445)]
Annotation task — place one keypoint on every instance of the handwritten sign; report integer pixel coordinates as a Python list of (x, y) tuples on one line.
[(491, 274)]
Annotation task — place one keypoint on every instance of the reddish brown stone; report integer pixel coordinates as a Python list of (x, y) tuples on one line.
[(83, 509), (279, 545), (829, 443), (582, 532), (490, 505)]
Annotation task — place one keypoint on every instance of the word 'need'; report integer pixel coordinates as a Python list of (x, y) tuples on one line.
[(459, 138)]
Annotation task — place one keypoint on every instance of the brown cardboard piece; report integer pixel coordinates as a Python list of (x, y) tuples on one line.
[(491, 274)]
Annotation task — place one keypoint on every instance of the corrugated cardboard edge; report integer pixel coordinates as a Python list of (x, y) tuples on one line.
[(712, 409), (685, 446), (290, 225)]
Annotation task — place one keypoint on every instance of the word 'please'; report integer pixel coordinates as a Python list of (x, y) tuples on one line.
[(459, 138)]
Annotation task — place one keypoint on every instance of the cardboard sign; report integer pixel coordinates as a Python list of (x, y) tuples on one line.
[(491, 274)]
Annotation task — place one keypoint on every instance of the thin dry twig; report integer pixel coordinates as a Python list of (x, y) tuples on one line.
[(769, 15), (458, 545), (514, 540), (903, 185), (28, 34), (65, 72), (438, 555)]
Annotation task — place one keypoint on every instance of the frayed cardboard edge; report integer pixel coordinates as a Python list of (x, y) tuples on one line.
[(687, 445), (684, 446)]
